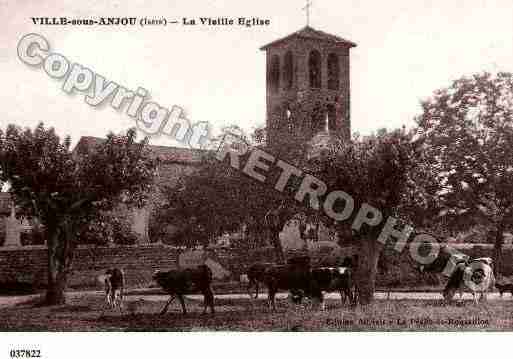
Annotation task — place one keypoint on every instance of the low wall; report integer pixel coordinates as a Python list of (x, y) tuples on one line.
[(29, 264), (139, 262)]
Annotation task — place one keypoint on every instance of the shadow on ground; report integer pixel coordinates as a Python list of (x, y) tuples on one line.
[(89, 313)]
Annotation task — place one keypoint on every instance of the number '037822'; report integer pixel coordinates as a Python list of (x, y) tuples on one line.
[(25, 353)]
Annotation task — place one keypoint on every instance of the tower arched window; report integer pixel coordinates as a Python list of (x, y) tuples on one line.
[(274, 74), (288, 70), (333, 72), (314, 65)]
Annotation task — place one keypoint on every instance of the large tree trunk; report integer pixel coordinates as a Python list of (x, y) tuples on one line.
[(254, 234), (497, 248), (57, 281), (275, 220), (302, 233), (368, 255), (278, 248), (60, 256)]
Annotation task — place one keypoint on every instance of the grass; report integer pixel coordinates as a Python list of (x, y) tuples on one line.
[(85, 314)]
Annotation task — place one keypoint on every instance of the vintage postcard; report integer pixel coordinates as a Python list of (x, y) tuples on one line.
[(243, 166)]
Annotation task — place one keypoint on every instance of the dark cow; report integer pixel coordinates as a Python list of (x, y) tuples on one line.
[(256, 275), (187, 281), (295, 277), (446, 258), (335, 279)]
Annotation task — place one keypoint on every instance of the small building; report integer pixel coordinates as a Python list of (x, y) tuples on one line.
[(307, 92)]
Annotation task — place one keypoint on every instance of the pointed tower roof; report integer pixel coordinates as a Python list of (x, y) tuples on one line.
[(310, 33)]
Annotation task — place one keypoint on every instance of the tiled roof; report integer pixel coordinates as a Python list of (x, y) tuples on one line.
[(311, 33), (164, 153)]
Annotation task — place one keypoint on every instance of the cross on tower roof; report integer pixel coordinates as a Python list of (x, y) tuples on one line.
[(307, 8)]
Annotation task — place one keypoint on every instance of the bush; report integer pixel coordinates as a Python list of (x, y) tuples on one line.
[(108, 229)]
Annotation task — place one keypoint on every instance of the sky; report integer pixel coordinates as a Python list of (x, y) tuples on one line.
[(406, 50)]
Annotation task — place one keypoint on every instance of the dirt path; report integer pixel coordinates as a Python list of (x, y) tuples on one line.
[(10, 301)]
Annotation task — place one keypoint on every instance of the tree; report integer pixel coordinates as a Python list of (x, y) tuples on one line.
[(107, 228), (467, 134), (223, 198), (374, 170), (65, 191)]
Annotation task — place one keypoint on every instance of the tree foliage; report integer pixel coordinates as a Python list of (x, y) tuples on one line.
[(107, 228), (375, 170), (223, 199), (66, 191), (466, 131)]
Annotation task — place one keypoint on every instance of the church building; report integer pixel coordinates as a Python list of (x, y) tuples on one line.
[(307, 93), (308, 96)]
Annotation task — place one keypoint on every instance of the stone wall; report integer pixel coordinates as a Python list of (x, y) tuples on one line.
[(28, 264)]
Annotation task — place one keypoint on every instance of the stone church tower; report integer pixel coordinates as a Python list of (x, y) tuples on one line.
[(308, 92)]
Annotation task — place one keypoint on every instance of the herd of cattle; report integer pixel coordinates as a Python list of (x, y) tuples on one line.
[(297, 277), (301, 280)]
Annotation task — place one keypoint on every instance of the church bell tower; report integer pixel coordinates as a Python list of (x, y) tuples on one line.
[(307, 87)]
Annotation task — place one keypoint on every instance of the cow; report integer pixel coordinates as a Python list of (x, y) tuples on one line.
[(445, 258), (187, 281), (114, 281), (294, 277), (339, 279), (464, 273), (475, 275), (256, 275)]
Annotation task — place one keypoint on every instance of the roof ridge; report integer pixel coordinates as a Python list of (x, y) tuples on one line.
[(177, 154), (303, 32), (102, 139)]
